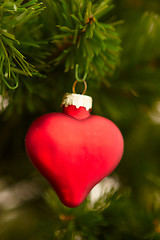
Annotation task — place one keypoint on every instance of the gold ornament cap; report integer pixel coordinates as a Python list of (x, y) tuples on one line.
[(77, 100)]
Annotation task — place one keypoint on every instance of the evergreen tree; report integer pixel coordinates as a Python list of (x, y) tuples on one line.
[(117, 44)]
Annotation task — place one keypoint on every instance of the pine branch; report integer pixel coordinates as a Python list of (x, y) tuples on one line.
[(12, 62), (115, 215), (81, 36), (82, 39)]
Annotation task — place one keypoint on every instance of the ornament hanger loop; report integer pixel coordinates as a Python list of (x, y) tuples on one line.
[(82, 80), (77, 77), (74, 86)]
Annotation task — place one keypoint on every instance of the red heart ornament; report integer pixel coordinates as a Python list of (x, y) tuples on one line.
[(74, 151)]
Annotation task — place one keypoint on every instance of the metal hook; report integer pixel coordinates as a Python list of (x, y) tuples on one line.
[(7, 84), (77, 77)]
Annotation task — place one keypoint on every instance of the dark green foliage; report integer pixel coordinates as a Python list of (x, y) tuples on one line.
[(13, 14), (81, 38), (68, 32)]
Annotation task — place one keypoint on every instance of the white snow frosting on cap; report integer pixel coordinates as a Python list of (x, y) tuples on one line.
[(77, 100)]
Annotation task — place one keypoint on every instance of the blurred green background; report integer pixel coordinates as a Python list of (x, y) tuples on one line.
[(29, 209)]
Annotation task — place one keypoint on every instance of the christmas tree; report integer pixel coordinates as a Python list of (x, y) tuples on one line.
[(116, 43)]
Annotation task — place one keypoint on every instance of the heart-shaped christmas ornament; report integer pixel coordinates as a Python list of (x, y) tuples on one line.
[(74, 150)]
